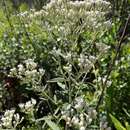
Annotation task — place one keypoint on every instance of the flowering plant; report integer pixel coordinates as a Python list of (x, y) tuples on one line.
[(56, 56)]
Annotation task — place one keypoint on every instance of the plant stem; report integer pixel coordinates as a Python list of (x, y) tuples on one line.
[(110, 68)]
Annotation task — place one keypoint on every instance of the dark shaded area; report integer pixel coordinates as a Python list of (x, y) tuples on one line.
[(31, 3)]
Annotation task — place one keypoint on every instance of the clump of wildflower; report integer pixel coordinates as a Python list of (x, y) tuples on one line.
[(86, 62), (78, 114), (102, 48), (79, 103), (7, 119), (68, 13), (13, 71), (102, 80), (28, 107), (10, 120), (30, 64), (28, 72)]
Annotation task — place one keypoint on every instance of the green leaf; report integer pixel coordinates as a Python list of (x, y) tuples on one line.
[(127, 126), (52, 125), (126, 112), (55, 80), (23, 7), (117, 124), (61, 85)]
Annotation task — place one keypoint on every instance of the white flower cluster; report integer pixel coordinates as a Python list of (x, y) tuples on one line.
[(68, 56), (79, 103), (28, 73), (23, 14), (102, 48), (86, 62), (101, 81), (77, 115), (68, 68), (10, 119), (67, 15), (7, 118), (76, 121), (30, 64), (28, 107)]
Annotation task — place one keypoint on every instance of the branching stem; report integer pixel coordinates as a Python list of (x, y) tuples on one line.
[(110, 68)]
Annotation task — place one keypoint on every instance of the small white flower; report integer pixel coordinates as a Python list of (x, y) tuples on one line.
[(13, 71), (68, 56), (109, 83), (30, 64), (7, 118), (13, 39), (103, 48), (75, 120), (20, 67), (68, 107), (68, 68), (9, 112), (68, 119), (82, 128), (41, 71), (58, 39), (81, 117), (109, 128), (64, 117), (108, 24), (72, 110), (89, 120), (81, 123), (28, 105), (79, 103), (92, 59), (33, 101), (17, 117), (68, 123)]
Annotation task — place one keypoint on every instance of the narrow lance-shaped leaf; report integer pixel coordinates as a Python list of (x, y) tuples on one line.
[(52, 125), (117, 123)]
